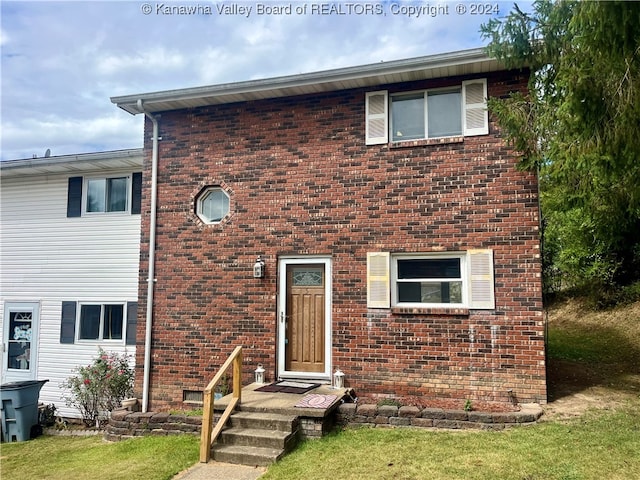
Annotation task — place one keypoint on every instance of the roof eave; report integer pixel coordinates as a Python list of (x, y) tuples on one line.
[(65, 164), (330, 80)]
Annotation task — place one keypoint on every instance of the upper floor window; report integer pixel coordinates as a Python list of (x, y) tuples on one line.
[(426, 115), (440, 113), (122, 193), (107, 194)]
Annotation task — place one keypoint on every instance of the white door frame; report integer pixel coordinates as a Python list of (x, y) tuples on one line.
[(282, 315), (14, 375)]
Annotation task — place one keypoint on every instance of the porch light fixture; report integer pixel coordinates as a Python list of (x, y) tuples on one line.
[(338, 379), (259, 374), (258, 268)]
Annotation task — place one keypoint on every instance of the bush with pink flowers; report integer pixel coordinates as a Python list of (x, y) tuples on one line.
[(96, 389)]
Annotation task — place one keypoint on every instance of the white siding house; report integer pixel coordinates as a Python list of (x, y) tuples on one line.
[(69, 256)]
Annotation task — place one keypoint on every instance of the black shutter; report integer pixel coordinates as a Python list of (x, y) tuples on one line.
[(136, 192), (132, 322), (68, 322), (74, 197)]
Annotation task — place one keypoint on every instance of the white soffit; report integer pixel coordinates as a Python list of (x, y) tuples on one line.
[(130, 159), (466, 62)]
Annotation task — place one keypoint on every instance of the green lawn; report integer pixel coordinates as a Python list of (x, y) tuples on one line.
[(595, 446), (91, 458)]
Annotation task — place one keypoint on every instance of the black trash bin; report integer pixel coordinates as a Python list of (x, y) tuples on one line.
[(19, 409)]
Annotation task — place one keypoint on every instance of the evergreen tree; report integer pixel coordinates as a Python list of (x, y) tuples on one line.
[(580, 127)]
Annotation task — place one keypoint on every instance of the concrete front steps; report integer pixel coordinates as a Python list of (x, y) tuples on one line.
[(256, 438)]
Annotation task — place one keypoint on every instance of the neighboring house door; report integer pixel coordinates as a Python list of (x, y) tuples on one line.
[(20, 342), (304, 327)]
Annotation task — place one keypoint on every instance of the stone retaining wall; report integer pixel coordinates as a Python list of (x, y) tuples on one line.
[(352, 414), (125, 424)]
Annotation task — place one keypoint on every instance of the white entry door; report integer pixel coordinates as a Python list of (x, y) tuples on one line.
[(20, 342)]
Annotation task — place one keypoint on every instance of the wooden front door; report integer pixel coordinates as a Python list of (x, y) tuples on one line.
[(305, 328)]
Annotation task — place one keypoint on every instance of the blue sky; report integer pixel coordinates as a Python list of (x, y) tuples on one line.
[(62, 61)]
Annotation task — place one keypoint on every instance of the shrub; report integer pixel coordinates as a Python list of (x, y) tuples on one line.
[(100, 387)]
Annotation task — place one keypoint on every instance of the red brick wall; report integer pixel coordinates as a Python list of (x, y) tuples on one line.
[(302, 181)]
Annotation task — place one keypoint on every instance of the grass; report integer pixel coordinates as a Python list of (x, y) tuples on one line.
[(595, 337), (579, 449), (90, 458)]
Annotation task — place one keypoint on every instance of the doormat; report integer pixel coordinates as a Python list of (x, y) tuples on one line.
[(316, 400), (288, 387)]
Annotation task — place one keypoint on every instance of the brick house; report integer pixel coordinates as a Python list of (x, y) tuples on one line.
[(397, 239)]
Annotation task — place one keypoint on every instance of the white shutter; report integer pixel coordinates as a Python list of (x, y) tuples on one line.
[(378, 289), (376, 121), (481, 291), (474, 101)]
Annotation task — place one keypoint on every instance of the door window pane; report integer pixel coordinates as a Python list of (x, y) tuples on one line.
[(307, 277), (20, 331)]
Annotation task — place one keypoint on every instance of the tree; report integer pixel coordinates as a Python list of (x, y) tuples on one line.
[(579, 127)]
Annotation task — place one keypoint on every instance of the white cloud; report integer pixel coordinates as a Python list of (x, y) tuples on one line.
[(159, 59), (64, 135), (61, 61)]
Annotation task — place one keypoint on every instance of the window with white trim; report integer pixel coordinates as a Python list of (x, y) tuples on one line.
[(212, 205), (101, 321), (431, 280), (99, 195), (438, 113), (107, 195), (430, 114)]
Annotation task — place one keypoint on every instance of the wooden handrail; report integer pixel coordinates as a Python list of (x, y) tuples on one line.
[(209, 434)]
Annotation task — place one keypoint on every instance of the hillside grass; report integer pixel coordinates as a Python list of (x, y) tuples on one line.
[(593, 348)]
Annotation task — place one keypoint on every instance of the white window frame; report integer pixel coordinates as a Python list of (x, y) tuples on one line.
[(473, 112), (476, 268), (100, 338), (203, 195), (85, 195), (425, 98), (461, 256)]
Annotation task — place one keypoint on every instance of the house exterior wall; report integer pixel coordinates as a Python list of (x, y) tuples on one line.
[(48, 258), (302, 181)]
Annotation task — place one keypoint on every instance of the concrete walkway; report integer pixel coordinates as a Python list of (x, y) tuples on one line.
[(221, 471)]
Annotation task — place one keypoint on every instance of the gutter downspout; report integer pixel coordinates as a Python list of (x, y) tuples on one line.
[(152, 256)]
